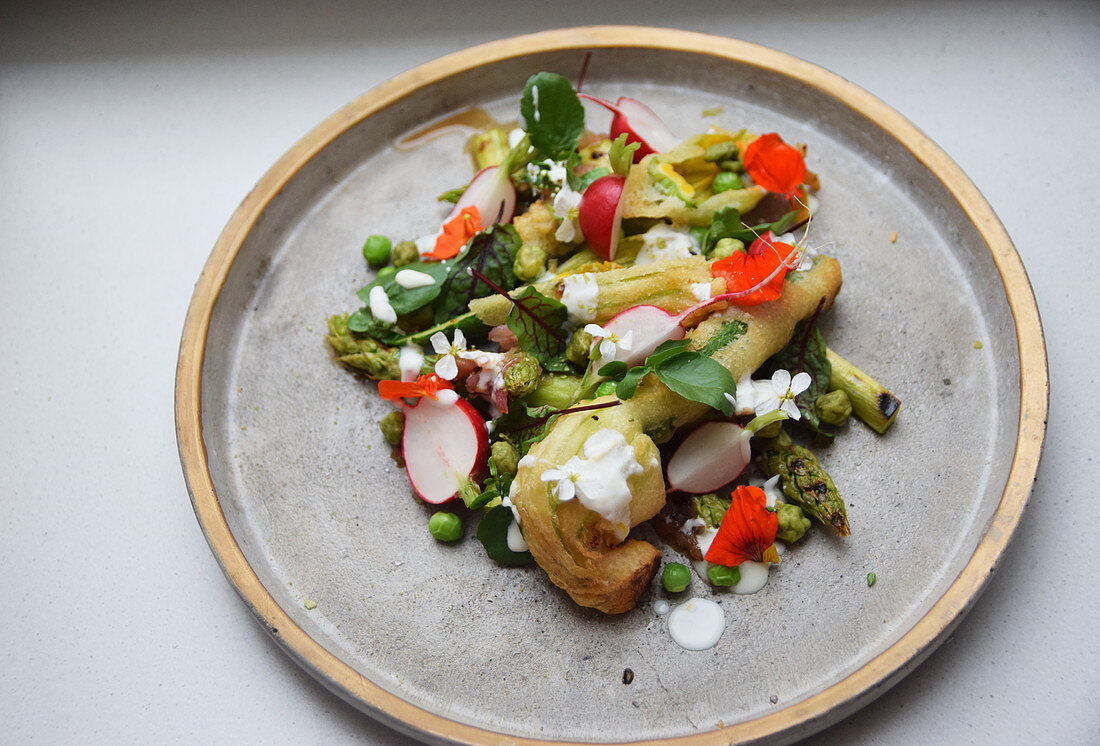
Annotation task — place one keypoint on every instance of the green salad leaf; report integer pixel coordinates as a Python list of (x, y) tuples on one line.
[(492, 532), (690, 374), (553, 116), (492, 253), (536, 321)]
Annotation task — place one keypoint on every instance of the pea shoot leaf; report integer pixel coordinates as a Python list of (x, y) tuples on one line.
[(553, 116), (406, 300), (698, 378)]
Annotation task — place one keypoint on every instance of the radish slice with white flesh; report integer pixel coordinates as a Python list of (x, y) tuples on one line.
[(649, 325), (601, 213), (640, 124), (711, 456), (492, 193), (445, 443)]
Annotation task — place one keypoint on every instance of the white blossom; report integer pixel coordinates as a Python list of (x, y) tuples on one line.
[(783, 391), (566, 477), (446, 366), (610, 342), (567, 207)]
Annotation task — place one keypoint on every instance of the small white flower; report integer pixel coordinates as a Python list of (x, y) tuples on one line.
[(567, 206), (566, 477), (610, 342), (446, 366), (784, 390)]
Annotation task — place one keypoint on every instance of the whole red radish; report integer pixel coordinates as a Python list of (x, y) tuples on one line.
[(600, 214)]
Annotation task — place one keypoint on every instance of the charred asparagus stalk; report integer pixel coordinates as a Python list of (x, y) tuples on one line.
[(871, 401), (805, 483)]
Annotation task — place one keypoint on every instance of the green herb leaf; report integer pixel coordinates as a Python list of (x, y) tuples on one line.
[(535, 320), (552, 114), (698, 378), (492, 532), (407, 300), (621, 155), (729, 331), (452, 195), (492, 253), (613, 369), (625, 388)]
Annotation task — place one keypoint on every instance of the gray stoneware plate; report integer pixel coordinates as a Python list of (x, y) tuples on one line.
[(300, 501)]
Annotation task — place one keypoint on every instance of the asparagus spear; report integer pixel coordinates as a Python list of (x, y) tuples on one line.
[(805, 483), (871, 401)]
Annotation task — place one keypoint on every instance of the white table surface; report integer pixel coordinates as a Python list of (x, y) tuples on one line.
[(130, 132)]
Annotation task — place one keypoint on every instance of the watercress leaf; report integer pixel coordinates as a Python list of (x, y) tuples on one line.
[(625, 388), (363, 322), (726, 223), (491, 252), (666, 351), (492, 532), (698, 378), (536, 320), (613, 369), (552, 114)]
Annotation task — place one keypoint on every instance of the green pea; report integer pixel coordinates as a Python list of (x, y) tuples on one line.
[(386, 273), (723, 576), (725, 181), (445, 526), (725, 247), (605, 388), (676, 577), (377, 250)]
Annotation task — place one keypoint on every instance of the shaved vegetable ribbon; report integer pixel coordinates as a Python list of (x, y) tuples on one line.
[(775, 165), (747, 532), (456, 232), (428, 386), (756, 276)]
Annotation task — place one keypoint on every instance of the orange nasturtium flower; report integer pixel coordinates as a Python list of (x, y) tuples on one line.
[(428, 386), (757, 273), (775, 165), (747, 531), (456, 232)]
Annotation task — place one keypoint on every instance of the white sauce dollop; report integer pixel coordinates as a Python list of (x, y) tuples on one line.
[(516, 541), (380, 305), (410, 279), (697, 624), (661, 607), (514, 137), (754, 575), (701, 290), (581, 296), (608, 462), (409, 361), (664, 242)]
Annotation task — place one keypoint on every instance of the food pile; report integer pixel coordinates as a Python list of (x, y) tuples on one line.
[(613, 329)]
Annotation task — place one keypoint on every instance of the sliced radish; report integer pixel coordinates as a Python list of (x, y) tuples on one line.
[(445, 443), (492, 192), (650, 326), (601, 213), (711, 456), (640, 124)]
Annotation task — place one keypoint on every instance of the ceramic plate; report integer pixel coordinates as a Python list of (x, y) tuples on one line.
[(301, 501)]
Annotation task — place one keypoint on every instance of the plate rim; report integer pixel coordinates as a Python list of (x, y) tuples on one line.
[(798, 719)]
